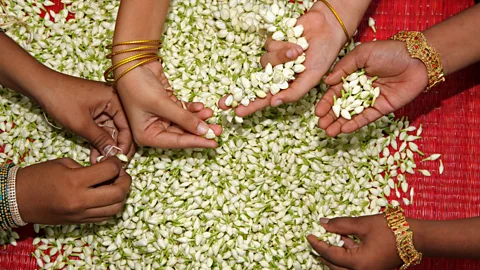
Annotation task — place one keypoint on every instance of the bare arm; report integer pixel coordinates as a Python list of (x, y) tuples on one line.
[(456, 40)]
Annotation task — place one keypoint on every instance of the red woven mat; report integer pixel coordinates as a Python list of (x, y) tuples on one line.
[(450, 115)]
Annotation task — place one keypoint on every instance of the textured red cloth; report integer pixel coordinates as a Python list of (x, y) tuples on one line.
[(450, 114)]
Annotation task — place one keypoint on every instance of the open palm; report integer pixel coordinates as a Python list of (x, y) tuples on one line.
[(400, 78), (325, 38)]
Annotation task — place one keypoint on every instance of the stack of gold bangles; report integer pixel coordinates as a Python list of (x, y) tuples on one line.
[(403, 237), (144, 57)]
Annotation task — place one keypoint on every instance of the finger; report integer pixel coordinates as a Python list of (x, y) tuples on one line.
[(124, 137), (131, 151), (242, 111), (169, 140), (367, 116), (275, 45), (195, 106), (257, 105), (99, 172), (94, 220), (349, 243), (94, 154), (68, 162), (351, 62), (97, 136), (289, 52), (109, 150), (109, 194), (326, 102), (336, 127), (168, 109), (344, 226), (337, 256), (104, 212), (298, 88)]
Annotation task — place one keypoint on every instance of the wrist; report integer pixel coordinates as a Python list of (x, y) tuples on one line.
[(418, 228), (351, 13)]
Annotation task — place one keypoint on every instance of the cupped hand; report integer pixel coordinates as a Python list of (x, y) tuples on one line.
[(157, 118), (325, 37), (376, 249), (86, 108), (64, 192), (400, 79)]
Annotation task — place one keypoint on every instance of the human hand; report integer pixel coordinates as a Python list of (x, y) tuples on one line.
[(157, 117), (400, 78), (91, 110), (325, 37), (62, 191), (376, 250)]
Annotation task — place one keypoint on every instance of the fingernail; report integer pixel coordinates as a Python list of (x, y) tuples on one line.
[(324, 220), (290, 53), (299, 50), (277, 103), (110, 151), (202, 128)]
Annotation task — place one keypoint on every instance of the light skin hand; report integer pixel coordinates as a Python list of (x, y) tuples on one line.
[(157, 117), (325, 37), (318, 27)]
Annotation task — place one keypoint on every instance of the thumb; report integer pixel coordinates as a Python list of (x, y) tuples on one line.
[(354, 60), (101, 140), (344, 226)]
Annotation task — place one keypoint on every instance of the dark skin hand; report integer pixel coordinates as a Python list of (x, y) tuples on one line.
[(71, 193), (400, 78)]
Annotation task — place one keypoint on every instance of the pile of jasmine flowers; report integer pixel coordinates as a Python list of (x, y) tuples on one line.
[(247, 204)]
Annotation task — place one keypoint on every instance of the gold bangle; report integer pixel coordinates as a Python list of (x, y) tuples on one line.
[(135, 42), (155, 58), (339, 20), (419, 48), (403, 237), (147, 44), (125, 61), (136, 49)]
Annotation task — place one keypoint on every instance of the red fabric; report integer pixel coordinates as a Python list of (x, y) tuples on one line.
[(450, 114)]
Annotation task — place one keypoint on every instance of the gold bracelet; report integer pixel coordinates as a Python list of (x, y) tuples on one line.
[(146, 44), (339, 20), (419, 48), (125, 61), (403, 237), (136, 49), (134, 42), (154, 58)]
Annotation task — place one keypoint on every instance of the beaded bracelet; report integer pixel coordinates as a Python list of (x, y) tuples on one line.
[(403, 237), (6, 219), (12, 197), (9, 214), (418, 47)]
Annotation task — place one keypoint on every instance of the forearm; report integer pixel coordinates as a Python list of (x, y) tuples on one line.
[(139, 20), (456, 40), (351, 12), (20, 71), (452, 238)]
